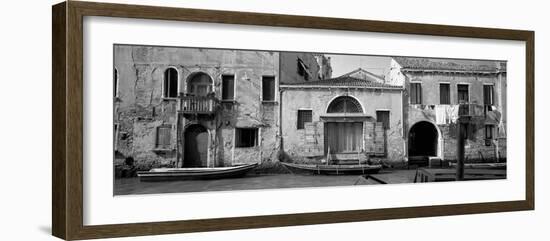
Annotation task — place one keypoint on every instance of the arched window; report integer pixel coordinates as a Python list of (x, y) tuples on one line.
[(170, 83), (200, 84), (344, 104), (115, 83)]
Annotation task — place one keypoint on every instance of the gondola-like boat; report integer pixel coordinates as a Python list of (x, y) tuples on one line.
[(356, 169), (195, 173)]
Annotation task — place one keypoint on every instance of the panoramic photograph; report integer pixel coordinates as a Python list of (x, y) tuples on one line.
[(190, 119)]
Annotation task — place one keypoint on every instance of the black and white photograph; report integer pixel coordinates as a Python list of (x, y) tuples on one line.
[(189, 119)]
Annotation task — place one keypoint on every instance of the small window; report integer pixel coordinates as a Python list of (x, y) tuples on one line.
[(384, 117), (115, 135), (489, 131), (246, 137), (228, 87), (444, 94), (488, 98), (115, 83), (416, 93), (268, 88), (463, 95), (304, 116), (170, 83), (303, 70), (163, 137)]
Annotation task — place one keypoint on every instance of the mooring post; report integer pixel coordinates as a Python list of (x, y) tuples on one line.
[(462, 124)]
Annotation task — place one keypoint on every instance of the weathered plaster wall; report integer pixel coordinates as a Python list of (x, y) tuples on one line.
[(430, 86), (318, 100), (394, 76), (141, 108), (475, 149), (289, 67)]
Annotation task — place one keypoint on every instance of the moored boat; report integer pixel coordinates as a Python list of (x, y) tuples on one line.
[(497, 165), (195, 173), (326, 169)]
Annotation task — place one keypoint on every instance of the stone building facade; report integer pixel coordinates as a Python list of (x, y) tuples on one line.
[(434, 88), (344, 118), (192, 107)]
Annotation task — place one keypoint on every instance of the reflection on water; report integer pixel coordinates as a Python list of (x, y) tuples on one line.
[(134, 186)]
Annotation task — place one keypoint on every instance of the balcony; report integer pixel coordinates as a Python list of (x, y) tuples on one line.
[(472, 110), (206, 105)]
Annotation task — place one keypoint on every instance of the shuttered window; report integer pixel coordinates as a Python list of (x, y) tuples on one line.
[(115, 87), (488, 98), (228, 87), (268, 88), (489, 131), (416, 93), (444, 94), (163, 137), (246, 137), (304, 116), (170, 83), (115, 141), (383, 116), (303, 69), (463, 93)]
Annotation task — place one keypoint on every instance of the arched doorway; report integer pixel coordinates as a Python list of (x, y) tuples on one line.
[(423, 138), (200, 84), (196, 144), (343, 135)]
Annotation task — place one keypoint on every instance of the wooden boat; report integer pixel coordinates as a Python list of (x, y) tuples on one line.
[(195, 173), (498, 165), (357, 169)]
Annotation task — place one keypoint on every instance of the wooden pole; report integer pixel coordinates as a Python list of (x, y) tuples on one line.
[(460, 149)]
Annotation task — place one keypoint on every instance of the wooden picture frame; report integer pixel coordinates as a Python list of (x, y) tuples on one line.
[(67, 123)]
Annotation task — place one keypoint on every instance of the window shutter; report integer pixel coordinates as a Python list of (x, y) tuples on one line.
[(268, 88), (171, 83), (228, 87), (416, 93), (488, 95), (463, 94), (163, 137), (444, 94)]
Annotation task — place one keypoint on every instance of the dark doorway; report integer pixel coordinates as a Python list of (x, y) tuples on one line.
[(423, 139), (196, 144)]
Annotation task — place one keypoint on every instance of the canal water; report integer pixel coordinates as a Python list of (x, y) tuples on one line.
[(126, 186)]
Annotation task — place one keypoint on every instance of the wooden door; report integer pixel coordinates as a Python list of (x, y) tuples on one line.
[(196, 146), (344, 137)]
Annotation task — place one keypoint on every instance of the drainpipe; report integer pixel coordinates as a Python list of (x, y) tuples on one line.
[(281, 92), (178, 137)]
